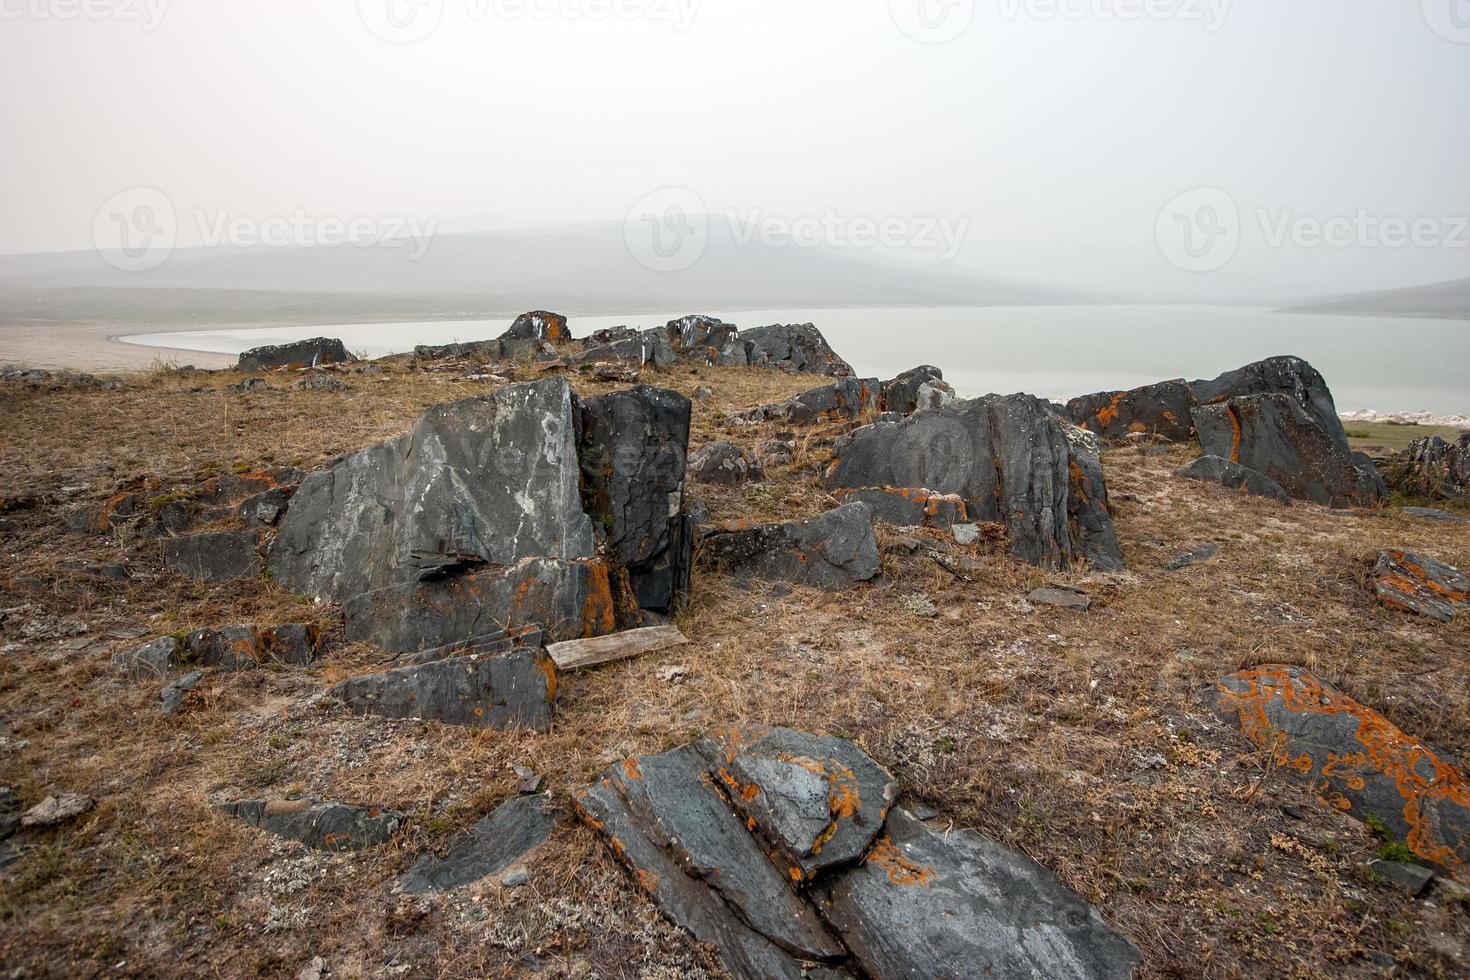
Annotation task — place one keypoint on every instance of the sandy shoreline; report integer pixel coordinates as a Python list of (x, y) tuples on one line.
[(95, 349)]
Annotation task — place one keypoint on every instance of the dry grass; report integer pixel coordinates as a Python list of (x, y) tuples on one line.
[(1079, 739)]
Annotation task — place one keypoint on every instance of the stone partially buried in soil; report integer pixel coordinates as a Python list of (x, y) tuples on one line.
[(320, 826), (835, 550), (219, 557), (1355, 758), (725, 464), (930, 904), (1233, 476), (515, 690), (489, 847), (56, 810), (909, 507), (1061, 598), (1420, 585)]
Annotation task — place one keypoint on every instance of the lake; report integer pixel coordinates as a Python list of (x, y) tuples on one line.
[(1383, 363)]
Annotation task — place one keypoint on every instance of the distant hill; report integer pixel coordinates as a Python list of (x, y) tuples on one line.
[(1443, 300), (582, 270)]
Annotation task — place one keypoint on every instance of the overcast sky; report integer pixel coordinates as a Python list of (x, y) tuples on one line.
[(1059, 133)]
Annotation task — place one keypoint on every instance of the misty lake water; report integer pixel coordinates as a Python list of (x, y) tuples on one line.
[(1383, 363)]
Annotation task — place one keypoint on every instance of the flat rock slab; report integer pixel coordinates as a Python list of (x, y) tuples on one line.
[(220, 557), (909, 506), (1412, 878), (836, 550), (489, 847), (1233, 476), (1061, 598), (514, 690), (928, 904), (1357, 759), (56, 810), (1420, 585), (1432, 514), (820, 800), (725, 464), (1195, 556), (301, 354), (320, 826)]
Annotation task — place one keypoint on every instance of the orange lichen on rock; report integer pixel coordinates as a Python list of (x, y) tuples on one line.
[(900, 870), (1358, 759), (599, 612)]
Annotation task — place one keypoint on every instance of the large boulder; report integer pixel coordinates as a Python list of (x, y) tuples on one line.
[(832, 551), (301, 354), (1283, 375), (707, 340), (1233, 476), (1008, 459), (794, 347), (635, 447), (1358, 760), (541, 327), (1276, 436), (783, 851), (1420, 585), (638, 349)]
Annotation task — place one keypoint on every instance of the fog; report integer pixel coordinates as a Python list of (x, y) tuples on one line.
[(1054, 133)]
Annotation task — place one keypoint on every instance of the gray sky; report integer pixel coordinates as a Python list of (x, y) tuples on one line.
[(1058, 132)]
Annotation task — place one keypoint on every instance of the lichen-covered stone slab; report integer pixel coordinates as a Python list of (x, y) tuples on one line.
[(1275, 436), (819, 800), (909, 506), (1233, 476), (301, 354), (1164, 409), (490, 480), (501, 839), (835, 550), (101, 518), (1358, 760), (1089, 514), (515, 690), (926, 904), (568, 599), (1010, 461), (1420, 585), (321, 826), (220, 557)]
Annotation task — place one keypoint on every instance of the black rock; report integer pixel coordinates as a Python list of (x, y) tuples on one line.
[(902, 393), (794, 347), (725, 464), (835, 550), (157, 658), (1274, 435), (171, 698), (228, 648), (489, 847), (102, 517), (1089, 514), (1195, 556), (1431, 514), (1420, 585), (1433, 468), (319, 381), (10, 810), (905, 507), (321, 826), (219, 557), (708, 340), (295, 644), (512, 690), (844, 400), (302, 354), (1233, 476), (1164, 410), (927, 903)]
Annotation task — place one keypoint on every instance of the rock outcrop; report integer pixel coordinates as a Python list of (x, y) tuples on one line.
[(784, 851), (320, 826), (851, 399), (909, 507), (1434, 469), (301, 354), (225, 647), (1420, 585), (504, 837), (725, 464), (1357, 760), (1233, 476), (526, 505), (1276, 436), (794, 347), (533, 336), (1011, 462), (835, 550)]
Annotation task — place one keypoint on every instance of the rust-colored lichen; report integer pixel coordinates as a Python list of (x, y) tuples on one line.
[(901, 871)]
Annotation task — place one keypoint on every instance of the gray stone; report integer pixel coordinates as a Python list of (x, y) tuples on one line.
[(10, 811), (1274, 435), (1431, 514), (1420, 585), (1008, 459), (966, 534), (171, 698), (1195, 556), (844, 400), (1412, 878), (1163, 410), (229, 648), (516, 878), (514, 690), (495, 843), (931, 904), (901, 395), (725, 464), (318, 381), (904, 507), (1233, 476), (794, 347), (707, 340), (1433, 468), (301, 354), (1062, 598), (820, 800), (835, 550), (320, 826), (156, 658), (218, 557), (54, 811), (1285, 375), (101, 518), (295, 644)]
